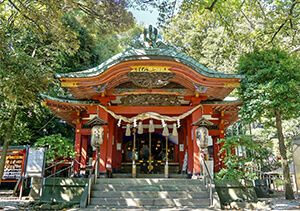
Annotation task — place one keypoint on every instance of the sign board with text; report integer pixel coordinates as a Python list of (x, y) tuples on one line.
[(35, 162)]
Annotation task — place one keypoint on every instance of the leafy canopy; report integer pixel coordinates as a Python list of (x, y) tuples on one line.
[(58, 147), (218, 32), (272, 82)]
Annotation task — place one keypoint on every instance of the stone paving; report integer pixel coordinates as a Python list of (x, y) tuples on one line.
[(277, 202)]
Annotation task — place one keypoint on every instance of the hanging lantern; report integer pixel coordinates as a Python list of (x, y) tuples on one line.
[(202, 136), (166, 131), (174, 132), (128, 133), (97, 136), (140, 128), (151, 126)]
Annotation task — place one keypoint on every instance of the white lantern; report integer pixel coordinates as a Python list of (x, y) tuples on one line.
[(202, 136), (97, 136)]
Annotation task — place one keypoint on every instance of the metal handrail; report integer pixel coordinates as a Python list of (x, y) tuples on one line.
[(62, 170), (210, 181), (55, 164)]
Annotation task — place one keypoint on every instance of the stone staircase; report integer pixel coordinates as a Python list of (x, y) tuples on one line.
[(148, 194)]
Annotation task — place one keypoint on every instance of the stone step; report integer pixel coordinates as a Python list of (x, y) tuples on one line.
[(151, 208), (149, 181), (155, 202), (151, 194), (128, 175), (118, 187)]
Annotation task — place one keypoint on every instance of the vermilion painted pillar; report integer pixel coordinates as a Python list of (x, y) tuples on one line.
[(182, 140), (190, 145), (110, 142), (222, 136), (103, 148), (196, 164), (77, 147), (84, 147), (217, 163)]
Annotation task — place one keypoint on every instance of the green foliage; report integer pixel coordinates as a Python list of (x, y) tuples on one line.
[(40, 38), (271, 83), (58, 146), (239, 167), (217, 32)]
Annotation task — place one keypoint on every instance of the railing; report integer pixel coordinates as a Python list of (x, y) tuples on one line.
[(86, 196), (62, 170), (209, 183)]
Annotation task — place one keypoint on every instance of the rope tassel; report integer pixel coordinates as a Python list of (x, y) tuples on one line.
[(128, 133), (174, 132), (140, 128), (166, 131), (151, 126)]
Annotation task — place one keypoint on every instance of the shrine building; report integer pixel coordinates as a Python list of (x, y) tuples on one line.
[(153, 108)]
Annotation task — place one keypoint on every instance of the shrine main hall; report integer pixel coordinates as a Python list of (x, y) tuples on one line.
[(148, 110)]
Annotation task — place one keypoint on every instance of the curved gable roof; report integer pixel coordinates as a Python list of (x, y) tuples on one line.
[(164, 53)]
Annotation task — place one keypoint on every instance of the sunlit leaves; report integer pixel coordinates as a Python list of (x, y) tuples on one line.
[(272, 82), (58, 147)]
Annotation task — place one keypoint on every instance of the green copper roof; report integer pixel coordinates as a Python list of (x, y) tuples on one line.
[(164, 53), (93, 102), (68, 100), (168, 53), (150, 46)]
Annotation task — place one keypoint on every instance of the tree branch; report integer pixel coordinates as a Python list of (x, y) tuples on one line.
[(289, 17), (211, 7), (278, 30), (261, 8), (24, 15), (251, 24)]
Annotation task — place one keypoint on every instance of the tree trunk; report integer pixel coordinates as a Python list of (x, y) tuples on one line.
[(7, 139), (289, 194)]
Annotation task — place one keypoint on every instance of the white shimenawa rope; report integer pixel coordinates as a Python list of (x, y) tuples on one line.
[(150, 115)]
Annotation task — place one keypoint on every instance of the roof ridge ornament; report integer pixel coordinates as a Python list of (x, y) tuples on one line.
[(150, 38)]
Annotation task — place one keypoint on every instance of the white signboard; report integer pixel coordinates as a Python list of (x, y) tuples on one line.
[(35, 162), (181, 147)]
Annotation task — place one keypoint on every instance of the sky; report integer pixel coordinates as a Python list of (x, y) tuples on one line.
[(150, 16), (145, 18)]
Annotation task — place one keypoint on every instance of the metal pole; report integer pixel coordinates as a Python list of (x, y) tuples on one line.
[(97, 165), (150, 158), (133, 154), (167, 161)]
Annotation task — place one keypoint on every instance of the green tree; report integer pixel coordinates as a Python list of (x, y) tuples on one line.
[(217, 32), (58, 147), (34, 39), (271, 89)]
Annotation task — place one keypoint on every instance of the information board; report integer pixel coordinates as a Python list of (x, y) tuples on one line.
[(13, 166), (35, 162)]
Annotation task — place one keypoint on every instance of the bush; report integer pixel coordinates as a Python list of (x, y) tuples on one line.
[(58, 147)]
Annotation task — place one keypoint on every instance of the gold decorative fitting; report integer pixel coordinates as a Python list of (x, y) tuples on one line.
[(222, 131), (222, 113), (69, 84), (77, 130), (232, 85), (150, 69), (150, 80), (151, 100)]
